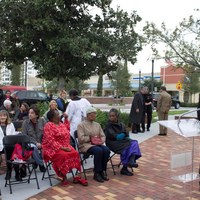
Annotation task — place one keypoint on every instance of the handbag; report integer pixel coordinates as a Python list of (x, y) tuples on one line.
[(96, 140)]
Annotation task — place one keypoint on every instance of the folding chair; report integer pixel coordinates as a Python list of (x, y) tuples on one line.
[(9, 144), (83, 156), (48, 175), (112, 164), (115, 165)]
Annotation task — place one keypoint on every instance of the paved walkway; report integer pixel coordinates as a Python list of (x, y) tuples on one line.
[(153, 180)]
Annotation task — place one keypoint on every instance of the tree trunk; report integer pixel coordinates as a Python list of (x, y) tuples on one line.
[(15, 77), (61, 83), (100, 85)]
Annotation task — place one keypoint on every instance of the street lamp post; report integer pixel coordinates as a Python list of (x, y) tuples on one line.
[(25, 72), (152, 77), (139, 78)]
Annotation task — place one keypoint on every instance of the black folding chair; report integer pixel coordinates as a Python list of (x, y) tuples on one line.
[(9, 144), (83, 156)]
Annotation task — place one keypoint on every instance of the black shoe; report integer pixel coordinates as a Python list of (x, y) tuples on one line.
[(135, 132), (18, 177), (126, 172), (97, 177), (148, 129), (104, 176), (132, 165), (164, 134), (35, 166), (42, 168), (8, 175)]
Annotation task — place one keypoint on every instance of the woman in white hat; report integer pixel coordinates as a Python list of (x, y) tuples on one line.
[(87, 130)]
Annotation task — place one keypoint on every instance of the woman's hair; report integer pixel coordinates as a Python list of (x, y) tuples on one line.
[(51, 114), (4, 112), (53, 101), (36, 110), (62, 91), (26, 106), (115, 111)]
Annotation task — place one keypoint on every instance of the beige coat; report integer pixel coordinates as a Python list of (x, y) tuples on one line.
[(85, 130), (164, 102)]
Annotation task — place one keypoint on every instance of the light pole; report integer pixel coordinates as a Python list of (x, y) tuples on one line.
[(152, 76), (139, 78), (25, 72)]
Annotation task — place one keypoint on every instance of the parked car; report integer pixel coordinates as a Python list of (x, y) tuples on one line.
[(175, 102), (31, 96)]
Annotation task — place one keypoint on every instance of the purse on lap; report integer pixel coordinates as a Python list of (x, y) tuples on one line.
[(96, 140)]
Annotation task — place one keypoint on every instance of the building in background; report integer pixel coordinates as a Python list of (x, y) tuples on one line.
[(28, 76)]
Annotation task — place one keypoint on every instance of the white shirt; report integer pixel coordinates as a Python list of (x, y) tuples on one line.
[(76, 111), (10, 130)]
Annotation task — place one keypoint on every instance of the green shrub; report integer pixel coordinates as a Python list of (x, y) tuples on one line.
[(43, 107), (183, 104), (102, 118), (124, 118)]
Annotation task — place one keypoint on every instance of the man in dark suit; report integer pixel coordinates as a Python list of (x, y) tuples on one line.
[(137, 110)]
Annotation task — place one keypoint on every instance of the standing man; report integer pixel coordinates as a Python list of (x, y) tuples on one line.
[(163, 107), (76, 110), (137, 110), (148, 100)]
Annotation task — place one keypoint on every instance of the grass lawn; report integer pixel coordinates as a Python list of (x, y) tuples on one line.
[(171, 112)]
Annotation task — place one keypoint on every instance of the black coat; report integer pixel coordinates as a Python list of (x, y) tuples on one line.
[(111, 131), (138, 103), (198, 112)]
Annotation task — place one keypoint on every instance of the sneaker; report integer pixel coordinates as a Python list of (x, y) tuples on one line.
[(97, 177), (104, 176), (126, 172)]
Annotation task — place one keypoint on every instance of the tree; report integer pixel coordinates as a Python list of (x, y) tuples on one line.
[(191, 80), (16, 75), (182, 43), (120, 80), (116, 31), (63, 39), (156, 84)]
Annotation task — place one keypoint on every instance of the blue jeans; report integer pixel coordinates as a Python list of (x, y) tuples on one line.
[(101, 155), (36, 155)]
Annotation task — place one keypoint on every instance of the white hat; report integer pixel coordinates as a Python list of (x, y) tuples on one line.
[(91, 110), (7, 102)]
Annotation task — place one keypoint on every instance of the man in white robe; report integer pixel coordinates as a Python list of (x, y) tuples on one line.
[(76, 110)]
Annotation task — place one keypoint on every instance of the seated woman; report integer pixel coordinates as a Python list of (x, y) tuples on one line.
[(118, 141), (52, 106), (7, 128), (101, 153), (33, 127), (57, 149), (22, 112)]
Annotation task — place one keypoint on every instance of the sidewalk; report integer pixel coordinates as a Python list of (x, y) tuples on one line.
[(151, 181)]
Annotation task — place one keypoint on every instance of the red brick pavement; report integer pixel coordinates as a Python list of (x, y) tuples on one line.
[(151, 181)]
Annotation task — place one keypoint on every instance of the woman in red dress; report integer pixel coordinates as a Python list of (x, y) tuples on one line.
[(57, 149)]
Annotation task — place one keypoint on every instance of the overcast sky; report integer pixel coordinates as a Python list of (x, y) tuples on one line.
[(171, 12)]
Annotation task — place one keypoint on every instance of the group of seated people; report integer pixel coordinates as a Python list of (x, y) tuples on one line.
[(50, 141)]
